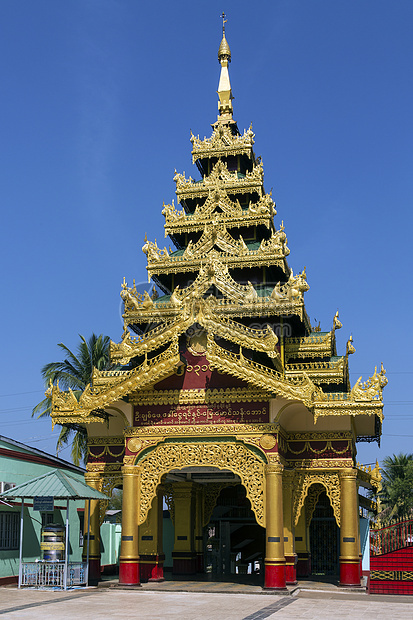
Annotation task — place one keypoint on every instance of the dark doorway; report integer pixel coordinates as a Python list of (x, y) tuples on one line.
[(234, 542), (324, 539)]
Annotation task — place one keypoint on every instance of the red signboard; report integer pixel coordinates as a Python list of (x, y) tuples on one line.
[(221, 413)]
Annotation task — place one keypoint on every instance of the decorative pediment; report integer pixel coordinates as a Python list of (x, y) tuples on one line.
[(215, 235), (109, 386), (222, 143), (216, 273), (220, 176)]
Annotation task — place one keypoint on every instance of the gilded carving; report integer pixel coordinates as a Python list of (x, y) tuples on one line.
[(330, 481), (108, 483), (307, 447), (66, 408), (222, 143), (267, 441), (203, 430), (372, 389), (235, 457), (135, 444), (302, 389), (313, 495), (208, 396), (313, 464), (103, 467)]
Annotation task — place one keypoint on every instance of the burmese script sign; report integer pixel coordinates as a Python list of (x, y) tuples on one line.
[(234, 413)]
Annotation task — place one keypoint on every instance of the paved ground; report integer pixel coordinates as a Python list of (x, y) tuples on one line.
[(148, 604)]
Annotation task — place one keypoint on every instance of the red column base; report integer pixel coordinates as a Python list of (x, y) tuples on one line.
[(129, 573), (94, 571), (151, 568), (157, 573), (290, 575), (274, 577), (350, 573)]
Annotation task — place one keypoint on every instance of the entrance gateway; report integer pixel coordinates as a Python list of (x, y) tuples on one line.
[(219, 371)]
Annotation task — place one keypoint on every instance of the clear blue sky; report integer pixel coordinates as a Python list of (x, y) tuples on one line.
[(98, 98)]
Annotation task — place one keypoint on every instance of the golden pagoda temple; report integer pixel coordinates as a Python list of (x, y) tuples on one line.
[(223, 401)]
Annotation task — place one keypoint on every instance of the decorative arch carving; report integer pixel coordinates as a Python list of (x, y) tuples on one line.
[(331, 483), (233, 456), (313, 496), (107, 484)]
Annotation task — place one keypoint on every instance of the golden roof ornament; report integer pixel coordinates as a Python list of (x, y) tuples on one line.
[(224, 52), (224, 87)]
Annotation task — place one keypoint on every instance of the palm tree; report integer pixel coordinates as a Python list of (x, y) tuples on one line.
[(74, 373), (397, 482)]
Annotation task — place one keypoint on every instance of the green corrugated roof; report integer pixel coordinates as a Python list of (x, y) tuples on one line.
[(57, 484)]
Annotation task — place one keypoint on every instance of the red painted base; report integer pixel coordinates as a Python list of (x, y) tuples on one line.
[(129, 573), (94, 571), (157, 573), (350, 574), (290, 575), (274, 577)]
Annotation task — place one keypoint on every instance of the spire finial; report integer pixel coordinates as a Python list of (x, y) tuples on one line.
[(224, 53), (224, 21), (224, 87)]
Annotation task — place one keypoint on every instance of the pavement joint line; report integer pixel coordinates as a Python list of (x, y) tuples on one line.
[(48, 602), (270, 609)]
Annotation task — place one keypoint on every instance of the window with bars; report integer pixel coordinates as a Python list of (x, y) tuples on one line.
[(9, 530), (47, 518)]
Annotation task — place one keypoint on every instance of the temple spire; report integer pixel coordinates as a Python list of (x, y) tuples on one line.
[(224, 87)]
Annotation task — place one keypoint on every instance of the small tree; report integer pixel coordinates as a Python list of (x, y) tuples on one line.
[(75, 372), (397, 481)]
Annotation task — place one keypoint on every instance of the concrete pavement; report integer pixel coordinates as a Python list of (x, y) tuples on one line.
[(148, 604)]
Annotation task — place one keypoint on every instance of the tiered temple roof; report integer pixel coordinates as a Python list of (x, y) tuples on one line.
[(227, 289)]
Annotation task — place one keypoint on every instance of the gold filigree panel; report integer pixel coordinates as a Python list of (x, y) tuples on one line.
[(304, 480), (232, 456), (313, 495)]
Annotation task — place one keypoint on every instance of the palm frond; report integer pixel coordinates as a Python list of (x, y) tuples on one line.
[(74, 373)]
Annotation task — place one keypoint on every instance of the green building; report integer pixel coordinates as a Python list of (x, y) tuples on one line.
[(18, 464)]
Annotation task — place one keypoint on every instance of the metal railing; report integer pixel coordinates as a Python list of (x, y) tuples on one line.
[(397, 535), (51, 574)]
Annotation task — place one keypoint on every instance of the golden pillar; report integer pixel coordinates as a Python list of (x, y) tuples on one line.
[(289, 546), (151, 556), (129, 555), (92, 520), (184, 555), (274, 534), (349, 529)]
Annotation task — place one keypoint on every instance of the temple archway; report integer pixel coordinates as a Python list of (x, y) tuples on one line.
[(324, 537), (231, 455)]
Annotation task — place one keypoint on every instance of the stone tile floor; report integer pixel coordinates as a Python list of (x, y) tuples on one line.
[(183, 600)]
